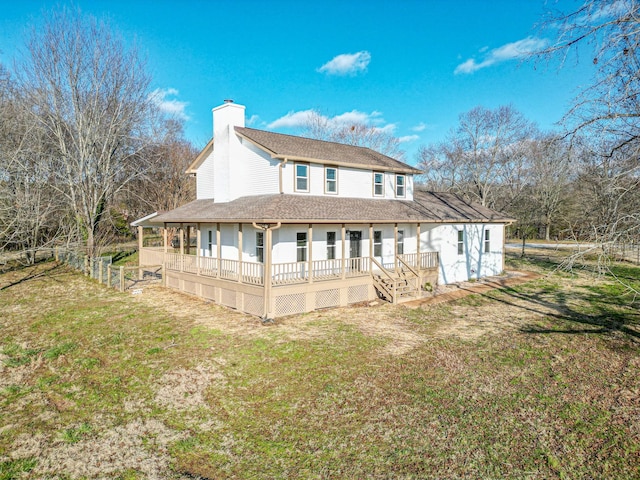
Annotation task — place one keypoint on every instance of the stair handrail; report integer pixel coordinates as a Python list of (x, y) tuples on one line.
[(409, 267), (393, 279)]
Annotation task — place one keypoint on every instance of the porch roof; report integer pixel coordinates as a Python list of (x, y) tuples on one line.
[(427, 207)]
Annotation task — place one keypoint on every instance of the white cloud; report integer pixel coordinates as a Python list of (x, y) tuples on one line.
[(347, 64), (420, 127), (301, 118), (171, 106), (253, 120), (292, 119), (510, 51), (408, 138)]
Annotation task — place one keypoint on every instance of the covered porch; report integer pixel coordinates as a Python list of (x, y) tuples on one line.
[(199, 264)]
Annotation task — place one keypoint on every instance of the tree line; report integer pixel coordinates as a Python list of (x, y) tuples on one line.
[(84, 146)]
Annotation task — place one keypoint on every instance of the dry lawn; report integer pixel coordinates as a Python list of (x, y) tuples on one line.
[(538, 380)]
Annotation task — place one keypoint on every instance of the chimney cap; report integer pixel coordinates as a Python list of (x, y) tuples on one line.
[(228, 100)]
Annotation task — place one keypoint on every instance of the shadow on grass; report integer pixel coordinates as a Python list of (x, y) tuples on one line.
[(42, 269), (602, 312)]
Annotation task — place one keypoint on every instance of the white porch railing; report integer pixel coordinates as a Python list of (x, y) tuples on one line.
[(282, 273)]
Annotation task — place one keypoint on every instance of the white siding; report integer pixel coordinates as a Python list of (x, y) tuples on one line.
[(204, 179), (473, 262), (352, 182), (253, 172)]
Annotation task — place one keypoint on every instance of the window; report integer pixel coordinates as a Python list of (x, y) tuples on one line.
[(377, 243), (460, 242), (400, 185), (331, 180), (378, 184), (400, 242), (301, 245), (260, 246), (487, 242), (210, 243), (331, 245), (302, 177)]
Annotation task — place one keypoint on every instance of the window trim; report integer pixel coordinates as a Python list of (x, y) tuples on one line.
[(460, 242), (331, 246), (296, 177), (326, 180), (260, 247), (487, 241), (376, 184), (302, 248), (403, 186), (400, 243), (377, 246)]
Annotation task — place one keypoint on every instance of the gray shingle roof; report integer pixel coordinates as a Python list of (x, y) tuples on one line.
[(427, 207), (280, 145)]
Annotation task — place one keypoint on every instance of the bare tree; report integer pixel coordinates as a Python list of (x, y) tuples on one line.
[(353, 133), (165, 185), (88, 93), (482, 158), (30, 211), (605, 118), (550, 174)]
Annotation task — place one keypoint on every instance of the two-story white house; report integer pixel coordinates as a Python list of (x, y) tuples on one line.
[(286, 224)]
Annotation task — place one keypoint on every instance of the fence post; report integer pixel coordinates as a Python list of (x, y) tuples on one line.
[(122, 279), (163, 272), (57, 255), (91, 265), (100, 266), (109, 275)]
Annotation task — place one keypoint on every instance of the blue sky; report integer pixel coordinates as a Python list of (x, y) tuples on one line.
[(409, 67)]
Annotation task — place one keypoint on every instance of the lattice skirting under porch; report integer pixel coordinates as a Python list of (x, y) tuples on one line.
[(285, 300)]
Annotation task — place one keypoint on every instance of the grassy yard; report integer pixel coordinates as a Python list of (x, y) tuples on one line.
[(541, 380)]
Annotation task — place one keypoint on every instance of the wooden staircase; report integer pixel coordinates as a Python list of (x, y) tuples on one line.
[(396, 286)]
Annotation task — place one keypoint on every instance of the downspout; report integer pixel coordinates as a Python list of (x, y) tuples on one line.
[(280, 167), (266, 274)]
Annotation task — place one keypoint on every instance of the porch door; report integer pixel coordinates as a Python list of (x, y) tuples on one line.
[(354, 250), (354, 244)]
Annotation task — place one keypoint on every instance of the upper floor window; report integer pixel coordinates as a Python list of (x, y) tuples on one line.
[(487, 241), (400, 185), (302, 177), (331, 180), (210, 244), (400, 242), (460, 242), (331, 245), (260, 246), (378, 184), (301, 246), (377, 243)]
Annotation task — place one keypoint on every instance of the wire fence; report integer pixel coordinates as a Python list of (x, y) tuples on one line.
[(102, 269)]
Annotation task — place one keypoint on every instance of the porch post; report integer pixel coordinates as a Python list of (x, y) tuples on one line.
[(419, 262), (140, 243), (239, 253), (395, 247), (198, 247), (418, 259), (181, 238), (310, 259), (267, 273), (344, 260), (165, 235), (370, 246), (218, 249)]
